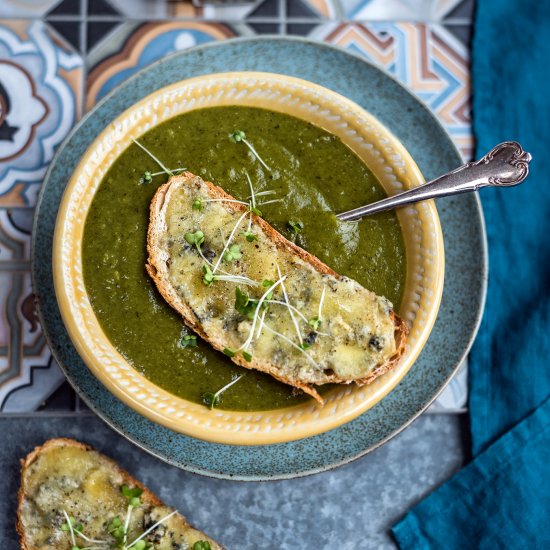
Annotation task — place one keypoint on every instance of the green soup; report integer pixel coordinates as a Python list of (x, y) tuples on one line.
[(313, 172)]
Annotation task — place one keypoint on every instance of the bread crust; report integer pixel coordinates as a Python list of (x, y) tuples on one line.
[(147, 496), (157, 270)]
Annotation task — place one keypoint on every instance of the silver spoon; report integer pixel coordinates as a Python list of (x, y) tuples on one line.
[(505, 165)]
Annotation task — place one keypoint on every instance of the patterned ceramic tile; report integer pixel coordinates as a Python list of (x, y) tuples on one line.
[(146, 44), (40, 100), (27, 372), (41, 64), (428, 59), (15, 236), (26, 8), (330, 9), (397, 10)]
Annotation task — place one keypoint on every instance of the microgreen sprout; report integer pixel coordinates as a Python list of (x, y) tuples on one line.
[(260, 303), (197, 204), (305, 345), (196, 238), (255, 210), (295, 228), (233, 252), (266, 283), (202, 545), (229, 241), (169, 172), (208, 277), (247, 356), (314, 323), (69, 527), (212, 399), (249, 236), (243, 303), (188, 341), (229, 352), (146, 178), (238, 136), (116, 529)]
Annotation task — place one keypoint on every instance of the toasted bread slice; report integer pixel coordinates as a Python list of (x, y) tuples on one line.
[(64, 475), (359, 336)]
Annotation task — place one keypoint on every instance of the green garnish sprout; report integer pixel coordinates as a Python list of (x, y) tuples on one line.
[(146, 178), (114, 527), (233, 253), (229, 241), (169, 172), (197, 204), (249, 236), (238, 136), (256, 211), (212, 399), (208, 277), (295, 227), (196, 238), (243, 303), (202, 545), (189, 341), (314, 323)]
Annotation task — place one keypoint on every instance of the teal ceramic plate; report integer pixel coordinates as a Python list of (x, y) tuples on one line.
[(465, 251)]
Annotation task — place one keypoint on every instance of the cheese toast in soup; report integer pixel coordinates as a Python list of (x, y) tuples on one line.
[(261, 300), (216, 266)]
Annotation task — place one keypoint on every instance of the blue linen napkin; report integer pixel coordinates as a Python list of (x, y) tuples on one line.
[(502, 499)]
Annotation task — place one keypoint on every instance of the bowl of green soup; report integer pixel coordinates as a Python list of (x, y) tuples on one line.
[(326, 155)]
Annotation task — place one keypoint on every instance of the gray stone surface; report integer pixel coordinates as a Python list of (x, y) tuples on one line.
[(349, 508)]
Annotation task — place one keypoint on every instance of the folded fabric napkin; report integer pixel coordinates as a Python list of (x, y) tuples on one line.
[(502, 498)]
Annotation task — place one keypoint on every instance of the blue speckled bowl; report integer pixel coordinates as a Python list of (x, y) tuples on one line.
[(461, 219)]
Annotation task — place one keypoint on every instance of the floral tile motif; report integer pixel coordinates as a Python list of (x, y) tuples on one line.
[(146, 44), (40, 100), (428, 59)]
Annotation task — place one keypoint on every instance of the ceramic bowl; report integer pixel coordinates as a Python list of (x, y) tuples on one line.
[(370, 140)]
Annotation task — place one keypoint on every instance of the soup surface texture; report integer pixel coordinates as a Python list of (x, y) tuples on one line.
[(313, 173)]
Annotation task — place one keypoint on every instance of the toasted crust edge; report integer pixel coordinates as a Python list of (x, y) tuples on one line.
[(155, 266), (26, 462)]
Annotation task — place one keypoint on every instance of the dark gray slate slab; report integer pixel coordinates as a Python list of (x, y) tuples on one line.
[(348, 508)]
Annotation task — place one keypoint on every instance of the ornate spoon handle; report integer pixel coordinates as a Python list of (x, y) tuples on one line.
[(505, 165)]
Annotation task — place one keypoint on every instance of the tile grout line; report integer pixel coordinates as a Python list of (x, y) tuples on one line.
[(283, 20), (463, 21)]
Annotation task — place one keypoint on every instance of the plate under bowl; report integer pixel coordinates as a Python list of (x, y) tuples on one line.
[(465, 260), (369, 139)]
